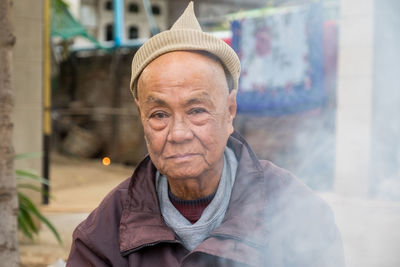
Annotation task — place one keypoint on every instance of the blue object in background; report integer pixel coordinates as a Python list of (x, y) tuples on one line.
[(118, 22)]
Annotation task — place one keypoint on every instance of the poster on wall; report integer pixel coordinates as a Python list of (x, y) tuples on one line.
[(282, 61)]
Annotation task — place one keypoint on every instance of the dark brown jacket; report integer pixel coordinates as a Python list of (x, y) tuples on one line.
[(272, 220)]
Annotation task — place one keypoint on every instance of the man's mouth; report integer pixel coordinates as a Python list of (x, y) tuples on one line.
[(182, 156)]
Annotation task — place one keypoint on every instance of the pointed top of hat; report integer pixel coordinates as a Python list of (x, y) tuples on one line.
[(188, 20)]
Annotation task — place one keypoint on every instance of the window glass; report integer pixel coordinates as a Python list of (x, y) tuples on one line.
[(108, 5), (109, 32), (133, 8), (133, 32), (156, 10)]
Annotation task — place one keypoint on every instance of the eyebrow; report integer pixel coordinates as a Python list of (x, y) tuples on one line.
[(201, 98), (197, 99), (155, 101)]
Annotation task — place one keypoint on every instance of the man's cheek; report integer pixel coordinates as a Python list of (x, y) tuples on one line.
[(154, 139), (151, 141)]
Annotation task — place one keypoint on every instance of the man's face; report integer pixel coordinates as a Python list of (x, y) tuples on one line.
[(186, 112)]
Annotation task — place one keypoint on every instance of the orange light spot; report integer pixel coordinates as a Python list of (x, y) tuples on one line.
[(106, 161)]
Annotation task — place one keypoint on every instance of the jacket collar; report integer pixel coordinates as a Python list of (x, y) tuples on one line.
[(244, 218), (141, 220), (142, 223)]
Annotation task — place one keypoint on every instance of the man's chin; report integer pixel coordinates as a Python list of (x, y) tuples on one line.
[(177, 174), (182, 159)]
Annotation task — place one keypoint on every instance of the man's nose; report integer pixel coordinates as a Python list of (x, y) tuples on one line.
[(180, 131)]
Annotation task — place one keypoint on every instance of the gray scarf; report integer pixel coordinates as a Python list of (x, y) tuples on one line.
[(190, 234)]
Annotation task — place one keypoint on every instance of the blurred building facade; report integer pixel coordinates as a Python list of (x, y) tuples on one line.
[(98, 17)]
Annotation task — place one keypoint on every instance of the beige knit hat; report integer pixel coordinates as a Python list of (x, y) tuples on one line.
[(185, 34)]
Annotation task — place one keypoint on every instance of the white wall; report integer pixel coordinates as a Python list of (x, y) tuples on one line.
[(354, 97), (139, 19), (27, 82)]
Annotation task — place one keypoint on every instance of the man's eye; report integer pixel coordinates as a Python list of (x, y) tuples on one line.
[(197, 111), (159, 115)]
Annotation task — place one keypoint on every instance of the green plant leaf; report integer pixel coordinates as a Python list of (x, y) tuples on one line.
[(24, 174), (27, 155), (26, 207), (26, 217), (24, 213), (32, 209), (22, 225)]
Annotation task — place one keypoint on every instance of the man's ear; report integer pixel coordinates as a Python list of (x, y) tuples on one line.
[(232, 105), (138, 106)]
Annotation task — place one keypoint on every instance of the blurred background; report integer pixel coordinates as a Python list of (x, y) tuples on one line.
[(319, 95)]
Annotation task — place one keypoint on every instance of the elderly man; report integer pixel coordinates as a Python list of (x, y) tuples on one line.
[(201, 197)]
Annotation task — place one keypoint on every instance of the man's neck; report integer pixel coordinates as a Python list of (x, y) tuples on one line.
[(198, 187)]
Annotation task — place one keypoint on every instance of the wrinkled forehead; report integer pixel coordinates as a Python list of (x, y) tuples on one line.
[(191, 59)]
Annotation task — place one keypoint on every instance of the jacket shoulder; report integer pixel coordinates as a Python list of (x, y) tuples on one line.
[(110, 206), (282, 185)]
